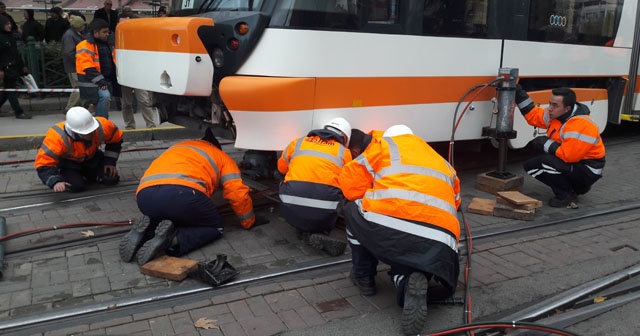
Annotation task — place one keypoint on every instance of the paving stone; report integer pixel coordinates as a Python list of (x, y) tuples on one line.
[(182, 323), (263, 325), (21, 298), (68, 331), (233, 329), (286, 300), (229, 297), (161, 326), (240, 310)]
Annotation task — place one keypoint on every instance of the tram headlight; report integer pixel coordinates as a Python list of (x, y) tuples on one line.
[(218, 58), (242, 28), (234, 44)]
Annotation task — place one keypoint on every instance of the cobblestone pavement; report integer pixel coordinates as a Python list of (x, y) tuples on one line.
[(86, 274)]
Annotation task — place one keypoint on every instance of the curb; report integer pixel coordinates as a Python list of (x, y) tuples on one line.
[(33, 141)]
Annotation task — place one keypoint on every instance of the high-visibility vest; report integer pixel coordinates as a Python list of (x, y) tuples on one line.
[(200, 165), (59, 145), (578, 136), (404, 178)]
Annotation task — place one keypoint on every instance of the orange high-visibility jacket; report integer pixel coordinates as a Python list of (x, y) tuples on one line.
[(403, 177), (58, 144), (313, 159), (200, 165), (578, 137)]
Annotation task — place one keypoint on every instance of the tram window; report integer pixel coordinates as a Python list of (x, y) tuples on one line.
[(461, 18), (235, 5), (574, 21), (349, 15)]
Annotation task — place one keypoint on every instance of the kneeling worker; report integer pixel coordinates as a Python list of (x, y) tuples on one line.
[(174, 196), (404, 213), (310, 194), (70, 154)]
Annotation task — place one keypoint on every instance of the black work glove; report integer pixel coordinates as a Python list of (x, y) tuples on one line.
[(524, 102), (544, 144)]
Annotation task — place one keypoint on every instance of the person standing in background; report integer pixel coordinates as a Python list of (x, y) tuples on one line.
[(31, 27), (70, 39), (11, 67), (143, 97), (108, 14), (55, 26), (96, 68), (15, 30)]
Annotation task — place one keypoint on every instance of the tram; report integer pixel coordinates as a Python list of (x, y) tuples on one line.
[(267, 71)]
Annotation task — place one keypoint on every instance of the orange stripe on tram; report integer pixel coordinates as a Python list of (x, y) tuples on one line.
[(179, 34), (272, 94)]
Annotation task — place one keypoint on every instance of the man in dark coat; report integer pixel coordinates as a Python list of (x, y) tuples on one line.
[(11, 67), (108, 14)]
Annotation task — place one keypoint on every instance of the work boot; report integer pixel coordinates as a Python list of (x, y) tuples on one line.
[(563, 203), (334, 247), (414, 312), (141, 231), (156, 246), (366, 285)]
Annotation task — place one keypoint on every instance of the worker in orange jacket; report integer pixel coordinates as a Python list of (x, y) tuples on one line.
[(96, 68), (70, 154), (405, 199), (309, 192), (574, 154), (174, 195)]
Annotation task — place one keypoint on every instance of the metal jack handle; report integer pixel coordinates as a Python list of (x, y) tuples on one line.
[(504, 123)]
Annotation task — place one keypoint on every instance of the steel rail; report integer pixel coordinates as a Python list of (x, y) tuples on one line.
[(150, 297)]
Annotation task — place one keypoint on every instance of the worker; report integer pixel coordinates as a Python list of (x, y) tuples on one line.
[(174, 195), (403, 207), (573, 152), (96, 68), (310, 193), (70, 154)]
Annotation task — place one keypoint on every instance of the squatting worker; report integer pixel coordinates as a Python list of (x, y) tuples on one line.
[(174, 196), (574, 154), (70, 154), (405, 199), (309, 192)]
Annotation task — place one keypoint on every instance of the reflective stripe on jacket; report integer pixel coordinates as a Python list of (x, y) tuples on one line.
[(578, 136), (58, 145), (200, 165), (403, 177), (315, 160)]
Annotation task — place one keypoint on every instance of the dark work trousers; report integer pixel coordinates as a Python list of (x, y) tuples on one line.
[(567, 180), (192, 212), (79, 174), (12, 96), (364, 262)]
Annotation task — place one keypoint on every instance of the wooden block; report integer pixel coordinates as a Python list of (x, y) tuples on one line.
[(501, 210), (529, 206), (493, 189), (519, 198), (481, 206), (171, 268), (490, 182)]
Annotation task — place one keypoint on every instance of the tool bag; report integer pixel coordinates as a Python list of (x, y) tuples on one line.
[(215, 272)]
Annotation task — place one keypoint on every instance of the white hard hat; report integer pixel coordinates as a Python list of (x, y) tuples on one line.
[(80, 120), (340, 126), (396, 130)]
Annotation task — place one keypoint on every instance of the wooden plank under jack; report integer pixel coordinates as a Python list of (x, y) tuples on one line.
[(506, 211), (482, 206), (171, 268), (518, 198)]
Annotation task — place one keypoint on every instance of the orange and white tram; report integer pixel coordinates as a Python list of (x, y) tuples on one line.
[(268, 71)]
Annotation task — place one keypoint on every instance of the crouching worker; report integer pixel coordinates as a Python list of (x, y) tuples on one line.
[(404, 213), (70, 155), (309, 192), (174, 196)]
